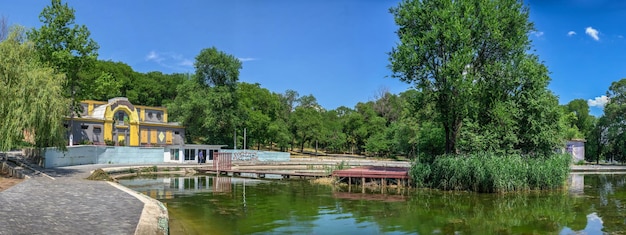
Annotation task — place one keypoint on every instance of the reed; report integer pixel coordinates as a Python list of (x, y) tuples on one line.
[(492, 173)]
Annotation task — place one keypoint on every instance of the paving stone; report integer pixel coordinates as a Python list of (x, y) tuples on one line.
[(68, 205)]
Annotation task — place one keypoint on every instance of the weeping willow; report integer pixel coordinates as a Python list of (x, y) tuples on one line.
[(31, 100)]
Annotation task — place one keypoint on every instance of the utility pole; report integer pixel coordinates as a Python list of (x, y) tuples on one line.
[(244, 138)]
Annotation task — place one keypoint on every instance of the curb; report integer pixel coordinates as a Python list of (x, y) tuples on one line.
[(154, 217)]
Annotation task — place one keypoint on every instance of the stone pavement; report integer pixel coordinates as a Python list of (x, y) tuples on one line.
[(68, 204)]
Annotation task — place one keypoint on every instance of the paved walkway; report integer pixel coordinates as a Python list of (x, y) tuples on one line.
[(68, 204)]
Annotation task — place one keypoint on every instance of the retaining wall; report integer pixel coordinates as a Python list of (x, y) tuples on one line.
[(12, 171), (91, 154)]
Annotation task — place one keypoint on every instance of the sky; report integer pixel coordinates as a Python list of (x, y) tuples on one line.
[(336, 51)]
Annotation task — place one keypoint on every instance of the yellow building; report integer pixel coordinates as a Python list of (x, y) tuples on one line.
[(122, 123)]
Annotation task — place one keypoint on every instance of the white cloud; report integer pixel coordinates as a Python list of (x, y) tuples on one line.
[(244, 59), (599, 101), (571, 33), (153, 56), (537, 33), (620, 36), (186, 62), (170, 60), (593, 33)]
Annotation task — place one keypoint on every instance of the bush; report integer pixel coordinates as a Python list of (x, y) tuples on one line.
[(109, 142), (491, 173)]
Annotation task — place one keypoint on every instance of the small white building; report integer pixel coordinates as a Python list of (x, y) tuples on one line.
[(576, 148), (190, 153)]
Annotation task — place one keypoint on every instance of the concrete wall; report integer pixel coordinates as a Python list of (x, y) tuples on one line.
[(577, 149), (256, 155), (131, 155), (80, 155), (87, 130)]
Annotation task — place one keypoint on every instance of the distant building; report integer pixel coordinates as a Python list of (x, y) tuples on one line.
[(576, 148), (122, 123)]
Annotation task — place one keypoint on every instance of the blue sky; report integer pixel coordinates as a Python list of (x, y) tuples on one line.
[(335, 50)]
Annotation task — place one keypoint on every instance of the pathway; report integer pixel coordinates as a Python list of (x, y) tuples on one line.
[(68, 204)]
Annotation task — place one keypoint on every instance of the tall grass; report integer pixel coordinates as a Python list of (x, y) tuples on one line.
[(491, 173)]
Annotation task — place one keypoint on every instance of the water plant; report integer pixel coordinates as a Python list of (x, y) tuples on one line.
[(492, 173)]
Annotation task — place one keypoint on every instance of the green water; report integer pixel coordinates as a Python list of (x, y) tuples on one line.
[(211, 205)]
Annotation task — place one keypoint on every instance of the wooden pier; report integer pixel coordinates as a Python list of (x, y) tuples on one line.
[(262, 174), (383, 176)]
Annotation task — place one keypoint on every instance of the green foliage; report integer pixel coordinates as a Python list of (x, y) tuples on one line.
[(488, 94), (609, 134), (492, 173), (31, 96), (306, 121), (109, 142), (66, 47), (207, 103)]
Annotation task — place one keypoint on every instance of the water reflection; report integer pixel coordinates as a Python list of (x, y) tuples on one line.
[(225, 205), (159, 187)]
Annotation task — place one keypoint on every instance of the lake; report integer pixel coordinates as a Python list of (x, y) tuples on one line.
[(206, 204)]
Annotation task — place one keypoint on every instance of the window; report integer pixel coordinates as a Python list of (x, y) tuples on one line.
[(158, 116), (84, 127), (176, 133), (97, 129), (189, 183), (174, 183), (190, 154), (174, 154), (122, 119)]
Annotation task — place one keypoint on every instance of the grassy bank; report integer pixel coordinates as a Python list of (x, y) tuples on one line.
[(491, 173)]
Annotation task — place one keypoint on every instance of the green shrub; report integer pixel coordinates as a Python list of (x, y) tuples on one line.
[(109, 142)]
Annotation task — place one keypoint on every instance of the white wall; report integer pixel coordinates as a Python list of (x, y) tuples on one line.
[(91, 154)]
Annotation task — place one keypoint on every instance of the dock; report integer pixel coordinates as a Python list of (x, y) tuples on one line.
[(263, 174), (379, 175)]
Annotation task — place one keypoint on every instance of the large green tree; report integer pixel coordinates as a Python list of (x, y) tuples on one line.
[(613, 123), (65, 46), (469, 58), (306, 121), (31, 106), (207, 103)]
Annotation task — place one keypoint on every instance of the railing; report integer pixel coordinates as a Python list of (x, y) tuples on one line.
[(223, 161)]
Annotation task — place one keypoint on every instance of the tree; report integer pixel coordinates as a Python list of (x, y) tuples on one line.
[(469, 59), (32, 107), (258, 107), (65, 46), (306, 121), (584, 121), (207, 103), (612, 125)]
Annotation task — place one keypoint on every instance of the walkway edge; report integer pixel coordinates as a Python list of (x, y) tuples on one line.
[(154, 218)]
